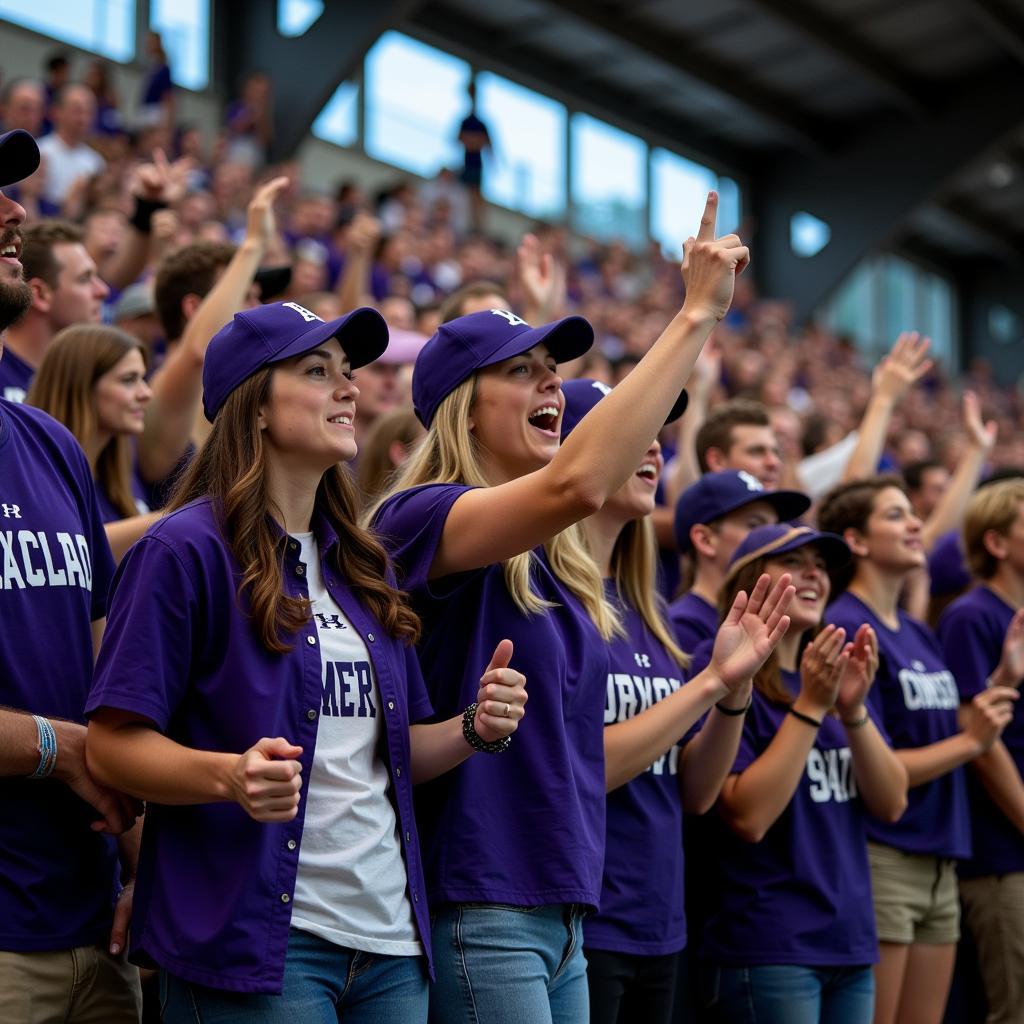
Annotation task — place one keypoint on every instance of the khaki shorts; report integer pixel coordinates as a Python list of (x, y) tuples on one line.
[(915, 897), (85, 984)]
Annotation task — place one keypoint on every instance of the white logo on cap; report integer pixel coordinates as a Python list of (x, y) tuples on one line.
[(753, 484), (513, 320), (306, 314), (601, 386)]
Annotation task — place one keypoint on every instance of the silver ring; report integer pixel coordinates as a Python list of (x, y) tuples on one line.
[(508, 708)]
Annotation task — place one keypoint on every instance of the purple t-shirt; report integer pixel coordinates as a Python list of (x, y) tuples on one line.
[(15, 377), (214, 888), (110, 512), (642, 890), (971, 632), (803, 894), (694, 621), (57, 876), (541, 840), (916, 699)]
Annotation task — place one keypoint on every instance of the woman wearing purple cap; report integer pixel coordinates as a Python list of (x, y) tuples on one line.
[(790, 937), (916, 699), (631, 945), (256, 685), (482, 526)]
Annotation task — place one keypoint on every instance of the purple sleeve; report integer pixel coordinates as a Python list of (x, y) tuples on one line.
[(144, 661), (420, 707), (749, 749), (966, 651), (410, 524)]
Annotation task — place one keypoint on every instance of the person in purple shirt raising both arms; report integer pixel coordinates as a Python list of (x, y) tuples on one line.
[(982, 637), (713, 516), (256, 688), (632, 944), (916, 701), (791, 936), (482, 525)]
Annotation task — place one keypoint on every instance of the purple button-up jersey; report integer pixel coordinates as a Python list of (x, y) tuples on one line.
[(214, 888)]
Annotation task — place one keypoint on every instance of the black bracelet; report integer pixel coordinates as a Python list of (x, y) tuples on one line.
[(736, 712), (857, 723), (804, 718), (475, 740), (142, 216)]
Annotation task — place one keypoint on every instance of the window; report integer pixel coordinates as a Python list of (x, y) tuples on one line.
[(608, 181), (338, 122), (106, 27), (525, 169), (295, 17), (808, 234), (184, 27), (679, 189), (415, 101)]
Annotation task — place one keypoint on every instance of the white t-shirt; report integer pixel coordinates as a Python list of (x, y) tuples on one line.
[(351, 885), (65, 165)]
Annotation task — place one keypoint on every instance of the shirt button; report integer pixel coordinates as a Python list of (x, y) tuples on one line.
[(285, 898), (311, 714), (299, 570), (292, 844), (416, 897), (408, 837), (391, 705), (369, 636), (398, 772), (293, 546), (311, 640)]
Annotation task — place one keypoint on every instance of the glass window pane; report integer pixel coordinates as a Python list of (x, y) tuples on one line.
[(294, 17), (338, 122), (415, 100), (106, 27), (899, 297), (679, 189), (525, 169), (609, 181), (184, 27)]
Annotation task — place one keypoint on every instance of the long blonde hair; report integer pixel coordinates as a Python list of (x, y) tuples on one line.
[(451, 454), (634, 569)]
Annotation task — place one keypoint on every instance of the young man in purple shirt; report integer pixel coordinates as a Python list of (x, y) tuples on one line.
[(982, 636), (713, 516), (59, 934)]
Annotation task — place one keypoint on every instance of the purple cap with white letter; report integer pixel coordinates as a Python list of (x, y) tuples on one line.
[(582, 395), (280, 330), (476, 340), (779, 538)]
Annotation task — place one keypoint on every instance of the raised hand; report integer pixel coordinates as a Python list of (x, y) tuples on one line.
[(753, 627), (1010, 670), (363, 234), (541, 277), (162, 181), (501, 699), (711, 265), (990, 713), (979, 433), (266, 780), (906, 363), (822, 666), (858, 673), (261, 225)]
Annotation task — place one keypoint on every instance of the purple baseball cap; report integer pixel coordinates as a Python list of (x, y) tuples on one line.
[(267, 334), (717, 494), (778, 538), (19, 156), (582, 395), (476, 340)]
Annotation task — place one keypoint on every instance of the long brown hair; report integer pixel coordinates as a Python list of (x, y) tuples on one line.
[(231, 468), (376, 468), (64, 387)]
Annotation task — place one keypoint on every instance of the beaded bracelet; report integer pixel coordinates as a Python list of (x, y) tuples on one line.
[(47, 748), (475, 740), (856, 723)]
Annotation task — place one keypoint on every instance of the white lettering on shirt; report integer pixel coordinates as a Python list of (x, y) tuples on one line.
[(928, 691), (831, 776), (20, 559)]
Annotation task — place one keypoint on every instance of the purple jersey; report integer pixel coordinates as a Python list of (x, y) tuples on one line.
[(642, 890), (214, 888), (15, 377), (57, 876), (542, 841), (803, 894), (915, 697), (694, 621), (971, 632), (112, 514)]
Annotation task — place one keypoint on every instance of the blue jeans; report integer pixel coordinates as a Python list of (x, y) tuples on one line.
[(787, 994), (323, 983), (498, 964)]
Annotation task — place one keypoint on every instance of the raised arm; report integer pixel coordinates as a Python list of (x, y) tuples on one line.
[(178, 387), (542, 279), (354, 283), (894, 376), (605, 448)]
